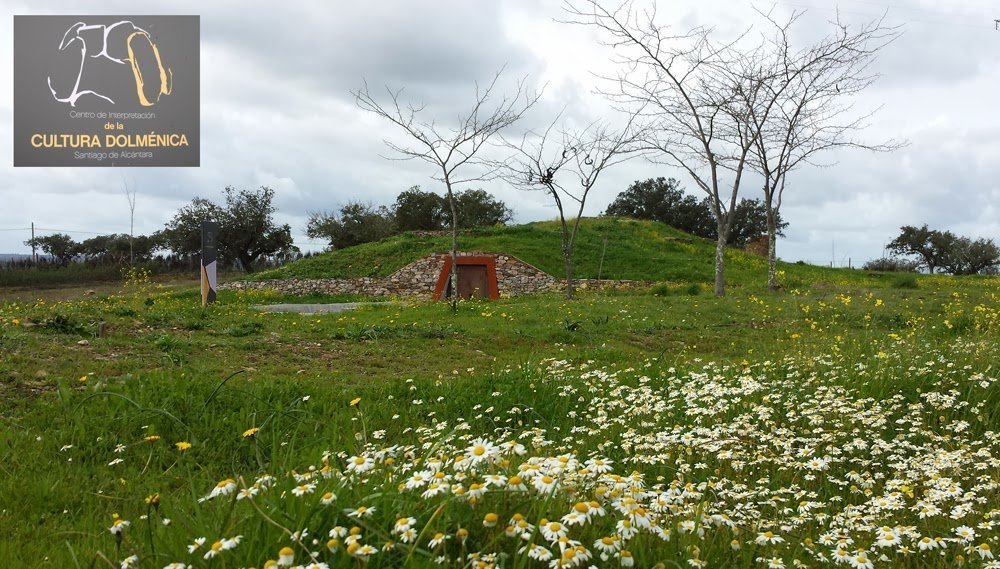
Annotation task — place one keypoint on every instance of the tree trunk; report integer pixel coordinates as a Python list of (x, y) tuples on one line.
[(772, 241), (567, 252), (723, 224), (247, 262), (454, 246), (720, 264)]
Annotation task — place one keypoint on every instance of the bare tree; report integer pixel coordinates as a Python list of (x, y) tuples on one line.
[(717, 109), (452, 150), (692, 103), (130, 196), (811, 113), (566, 166)]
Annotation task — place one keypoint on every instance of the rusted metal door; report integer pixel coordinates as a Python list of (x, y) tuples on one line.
[(473, 281), (477, 277)]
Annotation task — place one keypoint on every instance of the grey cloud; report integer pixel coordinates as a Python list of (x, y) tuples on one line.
[(430, 48), (942, 53)]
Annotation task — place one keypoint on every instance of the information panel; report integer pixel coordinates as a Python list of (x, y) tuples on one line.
[(209, 261), (106, 91)]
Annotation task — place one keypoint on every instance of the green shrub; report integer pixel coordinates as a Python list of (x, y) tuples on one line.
[(660, 289), (664, 289)]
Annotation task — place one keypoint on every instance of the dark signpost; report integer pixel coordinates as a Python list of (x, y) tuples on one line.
[(209, 255)]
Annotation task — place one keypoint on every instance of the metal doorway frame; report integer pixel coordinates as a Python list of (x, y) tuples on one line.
[(490, 261)]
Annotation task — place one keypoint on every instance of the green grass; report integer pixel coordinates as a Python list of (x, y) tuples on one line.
[(624, 375), (636, 250)]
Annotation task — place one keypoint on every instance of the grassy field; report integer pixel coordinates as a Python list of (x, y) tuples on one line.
[(635, 250), (841, 418)]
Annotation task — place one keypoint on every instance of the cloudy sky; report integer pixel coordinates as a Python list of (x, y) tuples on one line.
[(276, 110)]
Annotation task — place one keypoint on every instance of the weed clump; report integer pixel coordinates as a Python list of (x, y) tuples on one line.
[(62, 324)]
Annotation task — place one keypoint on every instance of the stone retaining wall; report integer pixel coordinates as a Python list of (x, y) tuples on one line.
[(418, 279)]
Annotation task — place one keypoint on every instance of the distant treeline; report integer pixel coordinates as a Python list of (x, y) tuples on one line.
[(60, 250), (248, 239), (922, 248), (50, 271)]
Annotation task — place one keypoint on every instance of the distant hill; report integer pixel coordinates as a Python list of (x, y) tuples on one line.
[(636, 250)]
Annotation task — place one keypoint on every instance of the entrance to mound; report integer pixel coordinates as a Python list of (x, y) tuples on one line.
[(477, 278), (471, 282)]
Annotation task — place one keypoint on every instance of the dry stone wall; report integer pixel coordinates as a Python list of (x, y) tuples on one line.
[(418, 279)]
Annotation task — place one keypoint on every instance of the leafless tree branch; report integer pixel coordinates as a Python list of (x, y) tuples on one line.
[(810, 107), (718, 108), (566, 164), (453, 150)]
